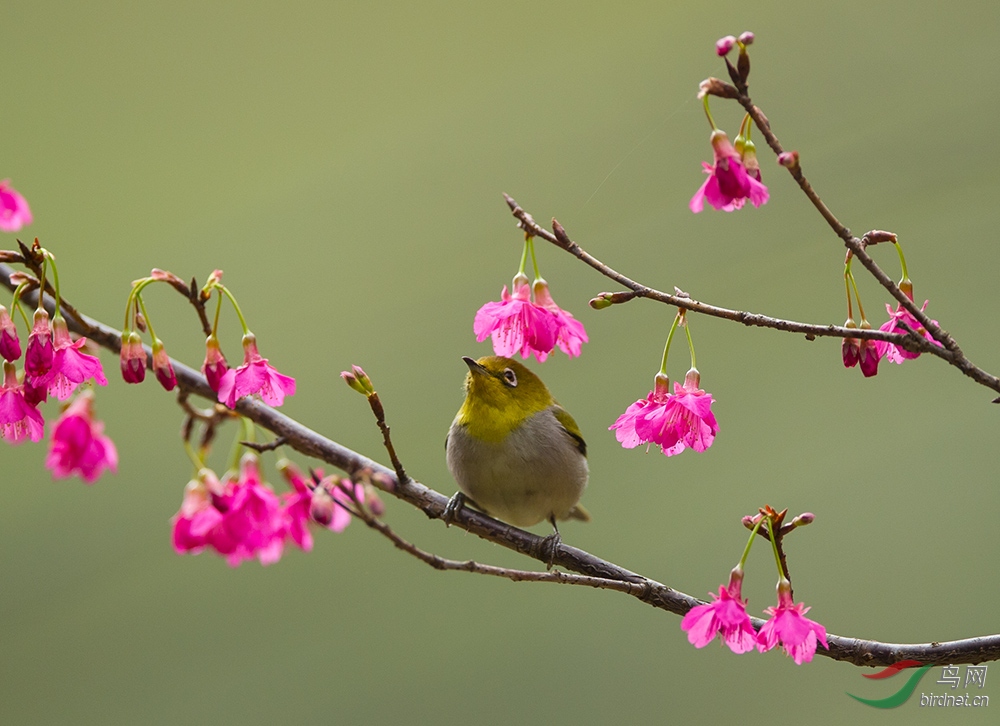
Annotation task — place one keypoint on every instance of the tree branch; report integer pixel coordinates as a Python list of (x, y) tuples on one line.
[(308, 442), (950, 353)]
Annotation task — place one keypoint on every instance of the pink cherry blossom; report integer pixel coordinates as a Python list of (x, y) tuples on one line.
[(728, 184), (253, 523), (215, 365), (897, 318), (39, 355), (518, 325), (70, 367), (726, 615), (571, 335), (255, 376), (14, 211), (133, 358), (79, 445), (676, 421), (198, 515), (789, 626), (305, 504), (10, 344), (18, 418)]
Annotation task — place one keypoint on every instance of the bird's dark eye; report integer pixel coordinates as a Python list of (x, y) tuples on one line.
[(509, 377)]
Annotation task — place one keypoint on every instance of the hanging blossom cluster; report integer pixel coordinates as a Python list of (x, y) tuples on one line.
[(726, 615), (256, 377), (54, 365), (673, 421), (864, 353), (520, 325), (240, 517)]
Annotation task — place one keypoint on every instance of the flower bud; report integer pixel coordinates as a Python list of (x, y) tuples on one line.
[(789, 159), (215, 365), (10, 344), (373, 502), (803, 519), (164, 276), (724, 45), (133, 359), (162, 366), (746, 38), (602, 301), (321, 507), (40, 353)]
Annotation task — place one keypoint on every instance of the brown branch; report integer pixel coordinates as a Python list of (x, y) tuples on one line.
[(308, 442), (561, 239), (858, 246), (949, 350)]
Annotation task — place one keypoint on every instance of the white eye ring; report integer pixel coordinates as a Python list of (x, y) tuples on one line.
[(509, 377)]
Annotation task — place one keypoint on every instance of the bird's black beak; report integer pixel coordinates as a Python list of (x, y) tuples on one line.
[(473, 366)]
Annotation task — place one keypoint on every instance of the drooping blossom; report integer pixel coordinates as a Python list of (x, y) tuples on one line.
[(726, 615), (518, 325), (198, 515), (858, 350), (133, 358), (78, 444), (39, 354), (674, 421), (255, 376), (304, 504), (571, 335), (252, 523), (728, 185), (162, 366), (215, 365), (18, 418), (10, 344), (897, 318), (789, 626), (14, 211), (70, 367)]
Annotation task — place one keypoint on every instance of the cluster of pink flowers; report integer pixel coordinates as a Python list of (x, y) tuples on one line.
[(520, 325), (256, 377), (673, 421), (866, 353), (54, 365), (242, 518), (726, 616)]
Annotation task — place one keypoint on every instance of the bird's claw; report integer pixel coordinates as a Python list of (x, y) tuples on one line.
[(454, 505), (548, 547)]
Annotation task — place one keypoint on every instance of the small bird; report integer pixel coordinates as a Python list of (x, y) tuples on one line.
[(515, 453)]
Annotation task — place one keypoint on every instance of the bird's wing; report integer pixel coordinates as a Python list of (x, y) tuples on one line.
[(570, 427)]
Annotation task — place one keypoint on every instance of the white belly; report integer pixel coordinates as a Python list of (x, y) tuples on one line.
[(537, 473)]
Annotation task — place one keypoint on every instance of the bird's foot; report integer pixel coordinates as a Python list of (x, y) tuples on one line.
[(455, 504), (548, 547)]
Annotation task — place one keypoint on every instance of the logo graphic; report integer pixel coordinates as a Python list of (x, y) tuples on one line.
[(976, 675)]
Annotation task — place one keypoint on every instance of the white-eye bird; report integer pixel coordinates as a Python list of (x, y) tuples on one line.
[(515, 453)]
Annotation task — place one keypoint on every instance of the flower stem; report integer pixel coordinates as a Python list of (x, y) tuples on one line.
[(774, 546), (189, 450), (218, 309), (239, 313), (49, 257), (753, 536), (861, 310), (708, 113), (687, 329), (530, 242), (666, 348), (902, 262), (149, 323)]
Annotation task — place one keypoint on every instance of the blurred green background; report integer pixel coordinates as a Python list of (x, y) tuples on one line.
[(343, 163)]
